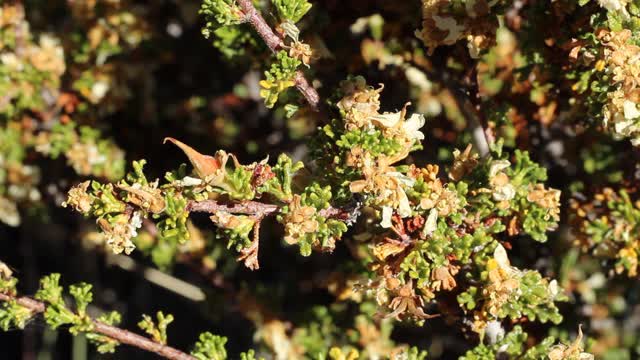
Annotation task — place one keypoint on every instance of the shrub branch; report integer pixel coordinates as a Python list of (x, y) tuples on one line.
[(260, 210), (274, 42), (121, 335)]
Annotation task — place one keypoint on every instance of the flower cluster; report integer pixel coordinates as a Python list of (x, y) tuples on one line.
[(621, 113), (480, 174), (607, 226), (510, 345), (84, 150), (425, 251), (30, 68), (447, 22), (308, 219)]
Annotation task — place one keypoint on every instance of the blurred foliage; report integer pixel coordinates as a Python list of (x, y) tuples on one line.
[(466, 185)]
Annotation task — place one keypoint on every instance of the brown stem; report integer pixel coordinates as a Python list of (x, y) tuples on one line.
[(476, 127), (274, 42), (121, 335), (246, 207), (307, 90), (20, 30), (253, 17), (261, 210)]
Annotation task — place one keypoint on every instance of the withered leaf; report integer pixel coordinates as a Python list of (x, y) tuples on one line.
[(204, 165)]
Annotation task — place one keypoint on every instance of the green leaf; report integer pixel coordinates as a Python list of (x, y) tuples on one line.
[(157, 330), (292, 10), (50, 290), (279, 78), (13, 315), (210, 347), (220, 13), (83, 296)]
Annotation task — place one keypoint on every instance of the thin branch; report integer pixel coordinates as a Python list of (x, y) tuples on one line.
[(275, 43), (245, 207), (260, 210), (307, 90), (121, 335), (20, 29), (253, 17), (478, 133)]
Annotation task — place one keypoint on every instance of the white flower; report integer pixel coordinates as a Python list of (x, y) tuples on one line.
[(449, 24), (34, 195), (615, 6), (11, 61), (504, 193), (360, 26), (413, 125), (494, 331), (404, 207), (9, 212), (501, 258), (573, 351), (135, 223), (623, 127), (403, 179), (432, 222), (554, 289), (497, 166), (17, 191), (418, 78), (124, 240), (472, 46), (189, 181), (500, 255), (630, 110), (119, 236), (99, 90), (48, 42), (388, 120), (5, 271), (93, 155), (410, 128), (386, 217)]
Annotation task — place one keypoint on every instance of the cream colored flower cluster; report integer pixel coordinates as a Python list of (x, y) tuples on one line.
[(45, 55), (621, 113), (21, 187), (441, 27), (361, 109)]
